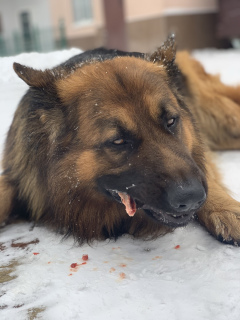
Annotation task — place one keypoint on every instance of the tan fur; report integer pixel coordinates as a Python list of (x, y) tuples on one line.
[(88, 166), (221, 213), (215, 104), (7, 195), (188, 134), (218, 112), (54, 156)]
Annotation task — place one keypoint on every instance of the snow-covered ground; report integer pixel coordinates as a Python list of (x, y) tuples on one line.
[(186, 275)]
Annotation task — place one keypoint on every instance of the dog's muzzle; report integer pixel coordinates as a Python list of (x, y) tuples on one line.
[(180, 204)]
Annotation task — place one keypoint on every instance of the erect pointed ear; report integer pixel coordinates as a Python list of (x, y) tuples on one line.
[(32, 77), (165, 54)]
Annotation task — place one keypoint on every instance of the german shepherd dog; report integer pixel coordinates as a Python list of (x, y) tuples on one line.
[(113, 142)]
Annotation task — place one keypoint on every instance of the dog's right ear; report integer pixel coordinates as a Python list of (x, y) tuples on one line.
[(32, 77), (165, 55)]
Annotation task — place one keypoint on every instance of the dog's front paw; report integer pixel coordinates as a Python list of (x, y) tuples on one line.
[(225, 226)]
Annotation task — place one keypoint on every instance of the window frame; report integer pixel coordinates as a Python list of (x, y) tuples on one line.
[(84, 19)]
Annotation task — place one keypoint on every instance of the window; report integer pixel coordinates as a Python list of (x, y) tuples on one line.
[(82, 11), (26, 30)]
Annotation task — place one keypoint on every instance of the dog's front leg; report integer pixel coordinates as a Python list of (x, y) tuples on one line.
[(221, 213), (7, 194)]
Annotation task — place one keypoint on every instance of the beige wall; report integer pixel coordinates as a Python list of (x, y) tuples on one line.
[(193, 4), (136, 9)]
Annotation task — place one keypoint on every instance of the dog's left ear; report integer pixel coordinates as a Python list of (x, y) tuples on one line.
[(32, 77)]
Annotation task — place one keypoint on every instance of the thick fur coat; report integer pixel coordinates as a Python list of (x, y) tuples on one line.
[(112, 142)]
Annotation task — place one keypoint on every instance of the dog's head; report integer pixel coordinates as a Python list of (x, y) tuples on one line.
[(134, 141)]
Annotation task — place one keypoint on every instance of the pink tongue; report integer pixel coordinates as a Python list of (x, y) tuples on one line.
[(129, 203)]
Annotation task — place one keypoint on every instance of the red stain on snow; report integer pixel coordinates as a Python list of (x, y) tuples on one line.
[(123, 265), (74, 267), (157, 257), (122, 275), (85, 257)]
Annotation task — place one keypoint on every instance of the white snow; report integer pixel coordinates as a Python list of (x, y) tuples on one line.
[(127, 279)]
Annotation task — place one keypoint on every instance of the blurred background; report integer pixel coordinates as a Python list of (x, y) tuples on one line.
[(134, 25)]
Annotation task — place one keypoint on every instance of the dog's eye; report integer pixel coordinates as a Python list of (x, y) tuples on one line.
[(171, 122), (118, 141)]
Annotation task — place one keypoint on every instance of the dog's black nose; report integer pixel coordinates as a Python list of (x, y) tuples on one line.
[(186, 197)]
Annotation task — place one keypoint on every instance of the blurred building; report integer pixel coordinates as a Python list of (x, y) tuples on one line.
[(26, 25), (148, 22), (33, 25), (229, 21)]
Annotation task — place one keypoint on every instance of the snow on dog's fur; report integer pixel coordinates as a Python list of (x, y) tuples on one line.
[(111, 142)]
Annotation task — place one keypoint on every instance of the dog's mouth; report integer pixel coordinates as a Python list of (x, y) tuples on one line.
[(170, 219)]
